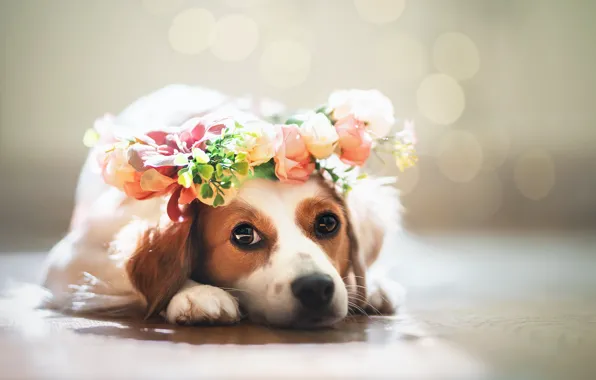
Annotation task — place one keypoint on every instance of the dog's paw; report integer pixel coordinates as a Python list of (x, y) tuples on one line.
[(384, 297), (203, 304)]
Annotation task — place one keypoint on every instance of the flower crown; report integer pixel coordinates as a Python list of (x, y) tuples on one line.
[(209, 156)]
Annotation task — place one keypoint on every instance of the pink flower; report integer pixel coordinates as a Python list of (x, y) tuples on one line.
[(368, 106), (354, 141), (160, 148), (293, 162)]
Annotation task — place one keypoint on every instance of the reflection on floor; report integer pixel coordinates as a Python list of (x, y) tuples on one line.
[(502, 304)]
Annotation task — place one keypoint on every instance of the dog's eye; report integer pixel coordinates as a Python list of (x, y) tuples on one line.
[(245, 235), (326, 225)]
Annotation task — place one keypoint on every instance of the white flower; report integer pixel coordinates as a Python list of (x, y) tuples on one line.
[(408, 134), (369, 106), (258, 142), (319, 135)]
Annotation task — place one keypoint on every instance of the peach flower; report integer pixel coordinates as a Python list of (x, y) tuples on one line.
[(319, 135), (258, 143), (354, 141), (293, 162), (115, 169)]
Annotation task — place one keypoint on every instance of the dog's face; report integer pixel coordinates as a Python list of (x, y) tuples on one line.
[(282, 250)]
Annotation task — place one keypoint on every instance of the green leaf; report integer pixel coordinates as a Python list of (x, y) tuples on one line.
[(240, 157), (205, 171), (349, 169), (362, 176), (219, 172), (334, 177), (294, 120), (236, 182), (185, 179), (90, 138), (241, 168), (180, 159), (218, 201), (200, 156), (322, 109), (226, 185), (266, 170), (206, 190)]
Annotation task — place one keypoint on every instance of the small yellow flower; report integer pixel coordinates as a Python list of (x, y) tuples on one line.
[(405, 156)]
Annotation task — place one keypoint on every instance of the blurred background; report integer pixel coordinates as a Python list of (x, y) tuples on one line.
[(502, 92)]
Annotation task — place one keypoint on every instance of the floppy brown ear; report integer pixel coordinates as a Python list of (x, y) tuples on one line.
[(162, 262)]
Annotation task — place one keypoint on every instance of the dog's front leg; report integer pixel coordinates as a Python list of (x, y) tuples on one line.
[(196, 304), (384, 296)]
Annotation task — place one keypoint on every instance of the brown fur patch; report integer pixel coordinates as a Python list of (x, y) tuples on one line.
[(161, 263), (357, 265), (223, 263), (337, 247)]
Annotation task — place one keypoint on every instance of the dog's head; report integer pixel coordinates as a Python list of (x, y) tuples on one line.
[(283, 250)]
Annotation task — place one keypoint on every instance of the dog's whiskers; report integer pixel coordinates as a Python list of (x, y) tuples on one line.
[(366, 304)]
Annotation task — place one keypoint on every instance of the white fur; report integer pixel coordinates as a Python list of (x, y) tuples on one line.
[(295, 255), (196, 303), (85, 270)]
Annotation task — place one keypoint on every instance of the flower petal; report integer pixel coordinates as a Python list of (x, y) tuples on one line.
[(152, 180), (138, 155), (187, 195), (159, 160)]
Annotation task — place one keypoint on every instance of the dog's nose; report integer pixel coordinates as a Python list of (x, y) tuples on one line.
[(314, 291)]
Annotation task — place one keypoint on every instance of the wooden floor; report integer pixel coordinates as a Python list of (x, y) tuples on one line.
[(495, 306)]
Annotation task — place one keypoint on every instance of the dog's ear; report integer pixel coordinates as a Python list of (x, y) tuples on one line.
[(162, 261), (374, 211)]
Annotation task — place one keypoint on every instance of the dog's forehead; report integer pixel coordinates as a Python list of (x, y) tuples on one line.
[(269, 196)]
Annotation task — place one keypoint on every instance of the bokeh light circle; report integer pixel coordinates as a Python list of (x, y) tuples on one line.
[(456, 55), (190, 31), (534, 174), (380, 11), (441, 99), (401, 57), (285, 63), (459, 156), (234, 37)]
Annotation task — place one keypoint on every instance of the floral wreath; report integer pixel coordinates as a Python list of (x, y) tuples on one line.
[(211, 155)]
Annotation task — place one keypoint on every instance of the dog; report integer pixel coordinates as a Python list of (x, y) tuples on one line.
[(279, 254)]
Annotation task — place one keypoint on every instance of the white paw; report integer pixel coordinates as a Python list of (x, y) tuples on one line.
[(202, 304), (384, 297)]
